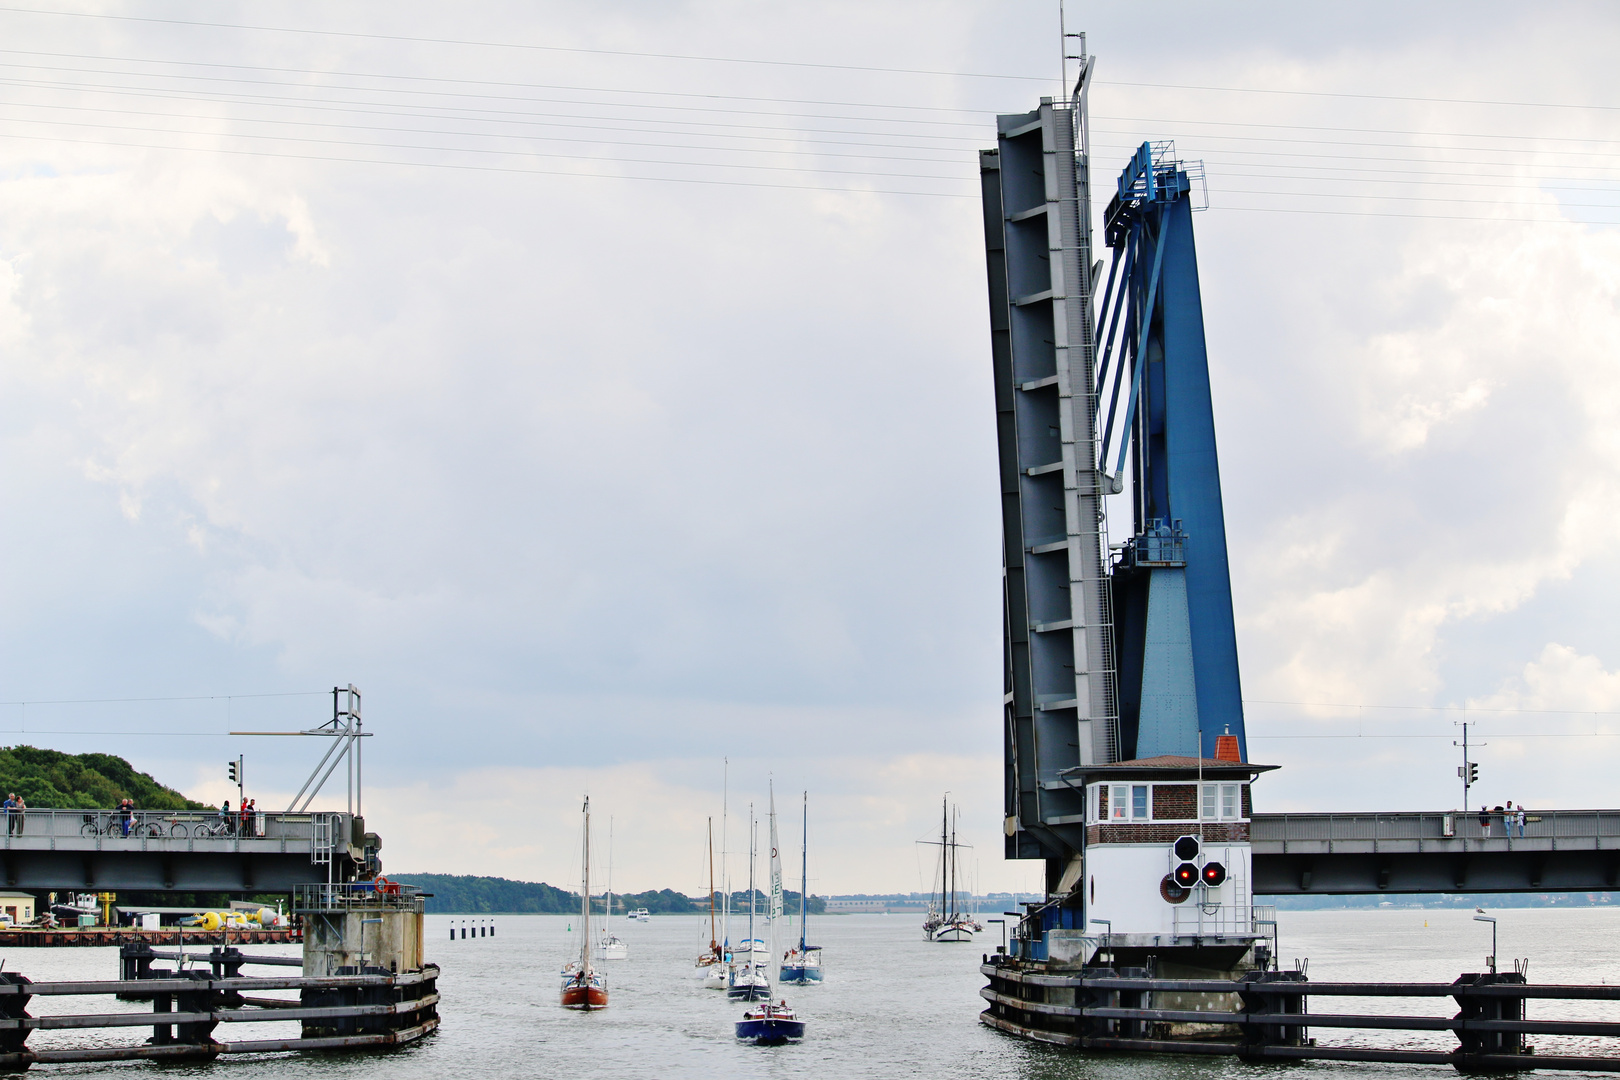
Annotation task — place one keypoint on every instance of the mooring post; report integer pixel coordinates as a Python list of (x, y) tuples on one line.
[(162, 1034), (1475, 1010), (1261, 1001), (14, 1007)]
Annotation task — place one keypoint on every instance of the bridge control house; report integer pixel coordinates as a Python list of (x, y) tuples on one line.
[(1168, 856)]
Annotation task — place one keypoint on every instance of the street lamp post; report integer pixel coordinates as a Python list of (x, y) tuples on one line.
[(1108, 933), (1490, 960)]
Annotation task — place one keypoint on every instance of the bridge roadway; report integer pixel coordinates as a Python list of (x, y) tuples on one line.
[(86, 850), (1562, 850)]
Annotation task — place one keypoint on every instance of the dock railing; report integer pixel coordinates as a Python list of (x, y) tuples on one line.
[(374, 1009), (1264, 1016)]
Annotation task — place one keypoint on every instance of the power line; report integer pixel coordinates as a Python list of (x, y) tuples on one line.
[(491, 168), (524, 46), (1434, 708), (192, 697), (1362, 97)]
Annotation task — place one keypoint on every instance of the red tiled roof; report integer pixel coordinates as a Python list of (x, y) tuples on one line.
[(1177, 761)]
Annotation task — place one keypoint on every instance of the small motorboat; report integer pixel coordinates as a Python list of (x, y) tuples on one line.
[(641, 914), (770, 1024)]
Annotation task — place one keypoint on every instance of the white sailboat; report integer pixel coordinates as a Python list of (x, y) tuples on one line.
[(946, 921), (750, 972), (614, 947)]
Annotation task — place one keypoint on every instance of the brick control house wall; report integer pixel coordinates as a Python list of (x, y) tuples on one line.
[(1174, 814), (1153, 832), (1175, 802)]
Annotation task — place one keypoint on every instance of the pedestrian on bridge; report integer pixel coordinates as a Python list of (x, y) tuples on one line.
[(11, 800), (1521, 817), (225, 817), (19, 810), (1485, 821), (126, 815)]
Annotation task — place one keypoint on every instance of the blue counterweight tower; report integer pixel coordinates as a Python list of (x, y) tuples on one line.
[(1172, 592)]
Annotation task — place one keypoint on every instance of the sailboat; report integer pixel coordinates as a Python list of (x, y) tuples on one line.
[(750, 974), (771, 1023), (582, 986), (718, 975), (946, 921), (803, 964), (712, 956), (614, 947)]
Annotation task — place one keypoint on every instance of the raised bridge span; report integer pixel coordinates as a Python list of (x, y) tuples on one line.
[(183, 851), (1561, 850)]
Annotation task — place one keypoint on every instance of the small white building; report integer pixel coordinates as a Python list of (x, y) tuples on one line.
[(17, 907)]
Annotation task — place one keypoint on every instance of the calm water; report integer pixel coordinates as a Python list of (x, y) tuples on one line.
[(893, 1005)]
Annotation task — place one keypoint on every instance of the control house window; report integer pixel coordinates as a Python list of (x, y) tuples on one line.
[(1128, 802), (1221, 802)]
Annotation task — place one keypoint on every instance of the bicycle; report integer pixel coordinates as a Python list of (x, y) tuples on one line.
[(207, 829), (114, 827)]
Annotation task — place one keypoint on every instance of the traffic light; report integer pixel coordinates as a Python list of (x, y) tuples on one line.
[(1473, 772), (1186, 875), (1214, 874), (1186, 848), (231, 765)]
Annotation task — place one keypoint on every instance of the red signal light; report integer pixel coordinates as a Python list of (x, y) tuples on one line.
[(1186, 875), (1214, 874)]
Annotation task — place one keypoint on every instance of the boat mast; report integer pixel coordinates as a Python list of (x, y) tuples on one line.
[(954, 912), (725, 875), (714, 946), (804, 869), (585, 895), (753, 846)]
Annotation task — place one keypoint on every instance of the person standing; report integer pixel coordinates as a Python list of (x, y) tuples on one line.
[(253, 817), (1485, 821), (19, 808), (225, 817), (1521, 817), (11, 801)]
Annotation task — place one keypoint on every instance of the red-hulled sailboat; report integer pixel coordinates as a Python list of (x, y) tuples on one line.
[(582, 986)]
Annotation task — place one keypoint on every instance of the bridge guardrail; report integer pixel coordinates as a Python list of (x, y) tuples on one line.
[(108, 825), (1541, 824)]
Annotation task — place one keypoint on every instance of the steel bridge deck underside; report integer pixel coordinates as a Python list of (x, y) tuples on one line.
[(1565, 850)]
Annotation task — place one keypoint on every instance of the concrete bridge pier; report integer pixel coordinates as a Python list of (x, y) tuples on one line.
[(356, 928)]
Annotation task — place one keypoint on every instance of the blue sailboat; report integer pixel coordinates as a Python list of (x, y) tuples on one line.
[(803, 964), (771, 1023)]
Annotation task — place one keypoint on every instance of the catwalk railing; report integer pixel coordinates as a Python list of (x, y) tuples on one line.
[(1264, 1016)]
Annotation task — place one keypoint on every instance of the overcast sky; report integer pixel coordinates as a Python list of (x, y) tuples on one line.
[(604, 389)]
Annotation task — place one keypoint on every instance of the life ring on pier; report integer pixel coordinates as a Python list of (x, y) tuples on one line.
[(1173, 891), (386, 887)]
